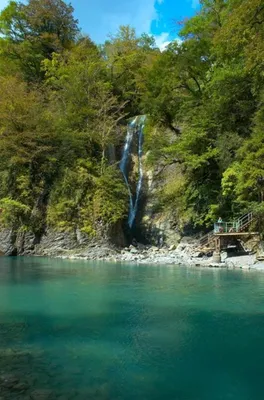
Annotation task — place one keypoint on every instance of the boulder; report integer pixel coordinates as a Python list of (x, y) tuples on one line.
[(9, 382), (20, 387), (198, 254), (187, 240), (154, 249), (41, 394), (134, 251), (181, 247)]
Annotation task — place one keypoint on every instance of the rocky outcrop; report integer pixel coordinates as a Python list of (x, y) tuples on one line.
[(6, 242), (54, 243), (24, 243), (159, 226)]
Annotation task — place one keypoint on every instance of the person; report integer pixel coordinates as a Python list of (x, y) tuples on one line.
[(134, 242), (220, 228), (161, 241)]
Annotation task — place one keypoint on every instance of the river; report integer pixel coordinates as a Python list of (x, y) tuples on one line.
[(82, 330)]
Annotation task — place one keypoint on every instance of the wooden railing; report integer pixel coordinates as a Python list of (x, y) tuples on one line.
[(228, 227), (245, 221), (206, 239), (236, 226)]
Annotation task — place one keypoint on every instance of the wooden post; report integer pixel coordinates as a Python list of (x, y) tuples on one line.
[(217, 252), (217, 244)]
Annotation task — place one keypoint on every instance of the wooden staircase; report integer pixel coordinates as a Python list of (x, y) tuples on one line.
[(244, 222), (207, 239)]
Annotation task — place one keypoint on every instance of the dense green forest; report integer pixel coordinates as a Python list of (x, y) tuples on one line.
[(65, 100)]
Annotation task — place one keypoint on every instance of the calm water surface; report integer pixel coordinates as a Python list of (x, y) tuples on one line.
[(79, 330)]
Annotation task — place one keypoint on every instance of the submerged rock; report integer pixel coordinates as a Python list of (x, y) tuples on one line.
[(41, 394), (8, 381)]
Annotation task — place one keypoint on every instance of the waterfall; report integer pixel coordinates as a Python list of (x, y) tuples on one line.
[(134, 127), (125, 157)]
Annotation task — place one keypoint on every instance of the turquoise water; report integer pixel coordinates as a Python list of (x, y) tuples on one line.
[(79, 330)]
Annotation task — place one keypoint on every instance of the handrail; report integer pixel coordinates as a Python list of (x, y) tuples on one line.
[(245, 220), (206, 238), (246, 216), (228, 227)]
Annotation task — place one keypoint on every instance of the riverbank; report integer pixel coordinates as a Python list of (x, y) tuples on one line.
[(184, 254), (65, 246)]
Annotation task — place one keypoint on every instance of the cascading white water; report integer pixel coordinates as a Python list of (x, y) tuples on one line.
[(136, 126), (133, 213), (124, 160)]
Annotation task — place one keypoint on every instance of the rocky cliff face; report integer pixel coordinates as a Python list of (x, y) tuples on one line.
[(153, 225), (54, 243), (157, 225)]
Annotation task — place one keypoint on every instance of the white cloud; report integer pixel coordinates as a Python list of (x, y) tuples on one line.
[(162, 40)]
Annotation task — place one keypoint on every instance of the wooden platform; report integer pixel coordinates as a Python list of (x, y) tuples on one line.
[(236, 234), (225, 233)]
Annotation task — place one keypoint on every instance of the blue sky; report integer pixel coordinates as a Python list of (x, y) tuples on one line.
[(98, 18)]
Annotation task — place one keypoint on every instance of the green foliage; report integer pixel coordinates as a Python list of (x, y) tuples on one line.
[(128, 58), (33, 32), (208, 92), (55, 133), (88, 200), (13, 213), (110, 198)]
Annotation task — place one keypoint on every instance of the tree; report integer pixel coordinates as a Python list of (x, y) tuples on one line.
[(127, 56), (35, 31), (33, 149), (203, 94), (84, 104)]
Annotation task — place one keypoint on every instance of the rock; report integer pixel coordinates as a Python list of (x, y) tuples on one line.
[(20, 387), (198, 254), (81, 237), (181, 247), (41, 394), (134, 251), (8, 381), (7, 242), (154, 248), (215, 265), (187, 240), (141, 246), (172, 247)]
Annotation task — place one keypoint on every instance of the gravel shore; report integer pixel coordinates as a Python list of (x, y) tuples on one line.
[(184, 254)]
